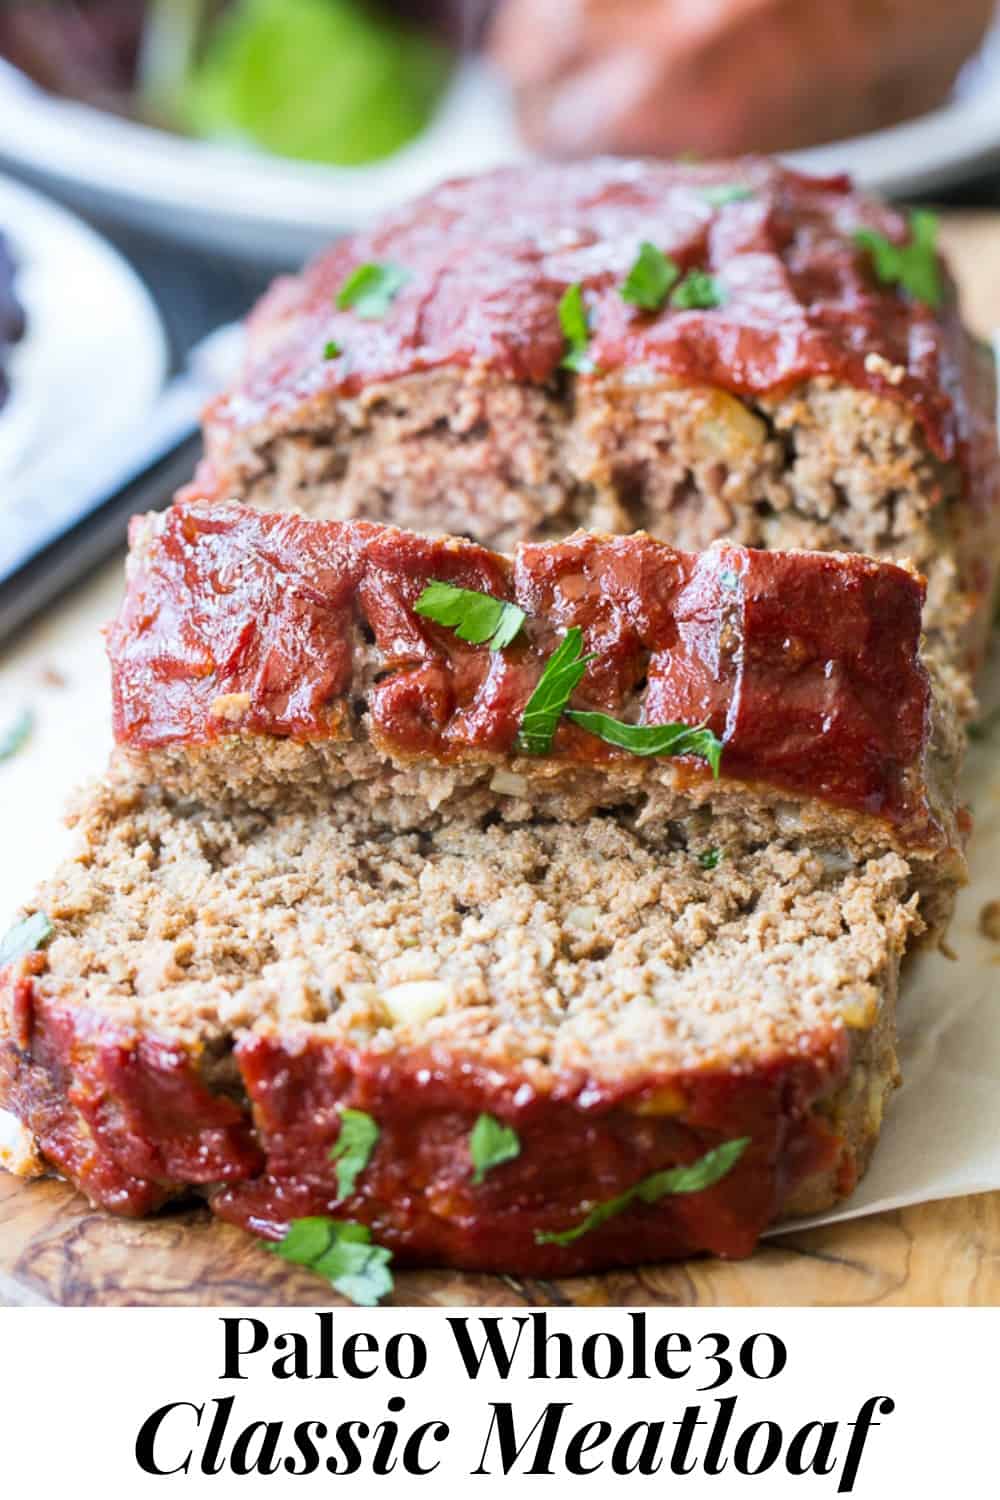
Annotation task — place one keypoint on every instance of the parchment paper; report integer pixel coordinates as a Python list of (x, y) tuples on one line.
[(941, 1136)]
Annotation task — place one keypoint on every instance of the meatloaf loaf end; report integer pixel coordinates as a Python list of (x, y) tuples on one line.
[(798, 387), (271, 660), (218, 988)]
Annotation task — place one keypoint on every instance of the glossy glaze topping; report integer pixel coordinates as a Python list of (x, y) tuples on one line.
[(488, 259), (805, 665), (139, 1127)]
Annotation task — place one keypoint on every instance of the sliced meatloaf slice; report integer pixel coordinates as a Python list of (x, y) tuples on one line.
[(275, 661), (218, 988), (791, 386)]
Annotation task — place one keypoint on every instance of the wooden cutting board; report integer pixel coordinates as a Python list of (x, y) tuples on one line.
[(55, 1250)]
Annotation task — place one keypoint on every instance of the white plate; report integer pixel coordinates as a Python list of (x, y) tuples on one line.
[(265, 207), (228, 199), (92, 361)]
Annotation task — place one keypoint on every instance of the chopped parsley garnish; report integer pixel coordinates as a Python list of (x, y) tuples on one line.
[(698, 289), (721, 193), (473, 616), (372, 288), (24, 937), (576, 330), (491, 1143), (653, 739), (650, 279), (559, 680), (353, 1148), (17, 734), (701, 1174), (913, 266), (341, 1251), (332, 350), (709, 858)]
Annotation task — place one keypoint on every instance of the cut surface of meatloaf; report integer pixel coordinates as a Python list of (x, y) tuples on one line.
[(815, 406), (272, 660), (218, 987)]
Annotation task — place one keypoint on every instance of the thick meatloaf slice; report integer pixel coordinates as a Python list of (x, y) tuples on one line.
[(218, 987), (814, 406), (271, 660)]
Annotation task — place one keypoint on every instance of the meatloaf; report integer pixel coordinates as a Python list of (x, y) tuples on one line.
[(803, 381), (267, 659), (219, 987), (321, 876)]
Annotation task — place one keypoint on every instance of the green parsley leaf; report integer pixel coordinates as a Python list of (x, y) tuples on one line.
[(341, 1251), (353, 1148), (24, 937), (559, 680), (473, 616), (698, 289), (17, 734), (653, 739), (332, 350), (490, 1144), (576, 329), (372, 288), (721, 193), (913, 266), (650, 279), (709, 858), (709, 1169)]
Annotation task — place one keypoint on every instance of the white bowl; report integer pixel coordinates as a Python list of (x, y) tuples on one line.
[(268, 208), (88, 370)]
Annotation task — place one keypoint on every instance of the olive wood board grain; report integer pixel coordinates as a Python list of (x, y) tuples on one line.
[(57, 1251)]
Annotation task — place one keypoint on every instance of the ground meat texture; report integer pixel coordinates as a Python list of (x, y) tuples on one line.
[(815, 407), (273, 660), (217, 988)]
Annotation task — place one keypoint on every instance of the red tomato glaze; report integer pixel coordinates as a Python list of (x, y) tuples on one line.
[(131, 1121), (489, 257), (805, 665)]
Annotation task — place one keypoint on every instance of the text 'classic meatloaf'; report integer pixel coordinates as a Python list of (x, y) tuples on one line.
[(323, 875), (785, 368)]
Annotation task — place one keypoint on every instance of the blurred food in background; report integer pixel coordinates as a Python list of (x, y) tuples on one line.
[(718, 77), (85, 50), (338, 81), (321, 80), (723, 76), (349, 82), (12, 320)]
